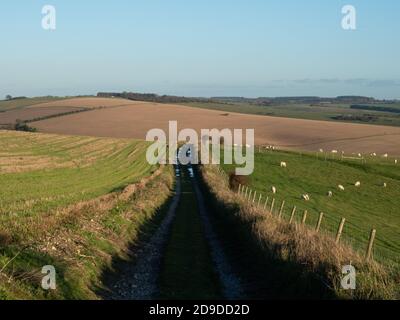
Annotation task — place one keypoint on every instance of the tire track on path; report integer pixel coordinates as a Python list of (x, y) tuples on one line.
[(140, 282)]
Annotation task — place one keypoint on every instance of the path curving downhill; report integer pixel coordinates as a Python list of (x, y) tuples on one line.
[(184, 259)]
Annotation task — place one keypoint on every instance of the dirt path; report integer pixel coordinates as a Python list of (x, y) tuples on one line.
[(184, 258), (231, 285), (139, 282)]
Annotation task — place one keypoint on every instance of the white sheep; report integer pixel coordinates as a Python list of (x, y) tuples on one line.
[(357, 184), (273, 189), (334, 151), (305, 197), (330, 194), (341, 187), (374, 154), (384, 184), (395, 161), (360, 155), (385, 155), (283, 164), (321, 150)]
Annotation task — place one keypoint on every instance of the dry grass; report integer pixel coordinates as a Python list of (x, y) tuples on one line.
[(316, 253)]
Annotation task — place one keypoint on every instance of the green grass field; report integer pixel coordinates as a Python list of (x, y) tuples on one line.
[(306, 111), (40, 173), (367, 207), (43, 178)]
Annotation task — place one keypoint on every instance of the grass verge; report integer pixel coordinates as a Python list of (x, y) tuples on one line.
[(84, 244), (280, 260)]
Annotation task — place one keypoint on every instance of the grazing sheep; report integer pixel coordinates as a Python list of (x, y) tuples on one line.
[(273, 189), (374, 154), (330, 194), (305, 197), (360, 155), (321, 150), (384, 184), (357, 184), (395, 161), (341, 187), (385, 155), (334, 151), (283, 164)]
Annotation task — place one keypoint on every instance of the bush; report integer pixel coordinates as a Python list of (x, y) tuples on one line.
[(235, 181), (22, 126)]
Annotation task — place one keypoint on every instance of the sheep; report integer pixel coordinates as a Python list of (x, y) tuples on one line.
[(305, 197), (283, 164), (273, 189), (330, 194), (357, 184), (374, 154), (334, 151), (395, 161), (384, 184), (385, 155), (321, 150), (341, 187), (360, 155)]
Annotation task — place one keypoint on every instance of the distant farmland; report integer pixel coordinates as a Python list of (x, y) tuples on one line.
[(128, 119), (30, 109)]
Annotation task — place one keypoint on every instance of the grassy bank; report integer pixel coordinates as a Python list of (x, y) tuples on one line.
[(73, 202), (279, 260)]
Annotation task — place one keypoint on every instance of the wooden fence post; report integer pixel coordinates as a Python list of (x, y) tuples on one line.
[(304, 217), (340, 230), (240, 186), (245, 195), (272, 206), (370, 244), (281, 210), (251, 192), (266, 203), (259, 200), (254, 198), (292, 215), (321, 215)]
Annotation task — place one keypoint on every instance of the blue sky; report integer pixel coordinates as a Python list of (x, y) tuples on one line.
[(200, 48)]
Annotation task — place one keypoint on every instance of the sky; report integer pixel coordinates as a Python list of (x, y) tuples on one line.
[(200, 48)]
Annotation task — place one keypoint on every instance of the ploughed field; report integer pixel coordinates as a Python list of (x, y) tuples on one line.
[(31, 109), (366, 207), (129, 119)]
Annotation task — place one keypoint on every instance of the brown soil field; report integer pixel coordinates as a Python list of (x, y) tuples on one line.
[(9, 117), (134, 119)]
